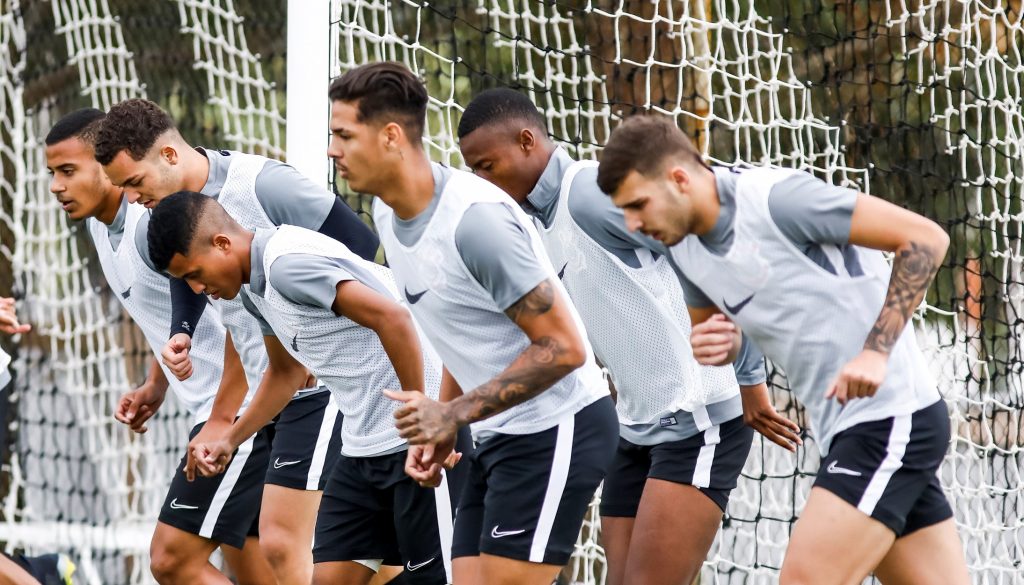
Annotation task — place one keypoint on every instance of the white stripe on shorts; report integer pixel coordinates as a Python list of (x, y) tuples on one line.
[(556, 485), (323, 441), (706, 457), (899, 436), (227, 485), (443, 505)]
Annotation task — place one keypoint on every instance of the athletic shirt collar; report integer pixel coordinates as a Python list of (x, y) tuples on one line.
[(257, 278), (543, 199)]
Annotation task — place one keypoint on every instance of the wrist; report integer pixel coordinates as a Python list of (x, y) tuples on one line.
[(457, 410)]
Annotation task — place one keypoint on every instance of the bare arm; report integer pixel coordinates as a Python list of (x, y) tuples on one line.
[(393, 325), (555, 350), (919, 245), (233, 385), (450, 389), (280, 380)]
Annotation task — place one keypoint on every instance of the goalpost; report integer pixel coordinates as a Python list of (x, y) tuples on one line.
[(919, 102)]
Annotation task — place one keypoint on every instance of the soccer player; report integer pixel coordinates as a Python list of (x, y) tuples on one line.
[(478, 281), (196, 516), (683, 441), (322, 306), (797, 264), (142, 151)]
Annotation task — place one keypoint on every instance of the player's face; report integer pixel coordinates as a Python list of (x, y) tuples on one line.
[(149, 180), (77, 180), (210, 269), (356, 148), (654, 207), (496, 154)]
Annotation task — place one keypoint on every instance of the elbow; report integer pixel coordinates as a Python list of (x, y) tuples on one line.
[(941, 239), (574, 355)]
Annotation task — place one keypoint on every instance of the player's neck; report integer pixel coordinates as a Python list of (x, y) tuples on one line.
[(413, 186), (197, 169), (706, 206), (108, 213), (245, 239)]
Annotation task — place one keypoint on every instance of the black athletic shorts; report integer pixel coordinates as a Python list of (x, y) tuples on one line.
[(888, 469), (526, 495), (372, 510), (223, 508), (711, 461), (305, 443)]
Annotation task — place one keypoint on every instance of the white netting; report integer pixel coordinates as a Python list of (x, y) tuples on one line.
[(728, 72), (245, 99), (79, 482)]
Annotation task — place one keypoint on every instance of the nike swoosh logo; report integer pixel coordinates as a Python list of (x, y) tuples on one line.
[(735, 309), (127, 293), (495, 533), (561, 272), (278, 464), (411, 567), (413, 299), (295, 342), (833, 468), (176, 506)]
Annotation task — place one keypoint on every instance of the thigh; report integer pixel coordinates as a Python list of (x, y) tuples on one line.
[(249, 565), (220, 508), (289, 513), (539, 486), (306, 443), (834, 543), (342, 573), (930, 556), (616, 534), (497, 570), (353, 522), (674, 530)]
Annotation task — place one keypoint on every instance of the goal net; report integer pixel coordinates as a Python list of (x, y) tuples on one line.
[(918, 102)]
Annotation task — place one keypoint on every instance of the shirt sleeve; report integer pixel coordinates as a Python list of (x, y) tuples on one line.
[(749, 364), (289, 198), (497, 252), (255, 312), (811, 211), (598, 217), (308, 279)]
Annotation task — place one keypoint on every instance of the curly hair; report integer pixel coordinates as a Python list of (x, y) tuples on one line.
[(385, 89), (133, 125)]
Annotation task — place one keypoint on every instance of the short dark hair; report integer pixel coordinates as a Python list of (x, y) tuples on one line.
[(174, 225), (383, 89), (642, 144), (82, 124), (498, 106), (132, 125)]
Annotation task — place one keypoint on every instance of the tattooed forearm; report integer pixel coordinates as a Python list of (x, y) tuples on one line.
[(534, 371), (536, 302), (912, 272)]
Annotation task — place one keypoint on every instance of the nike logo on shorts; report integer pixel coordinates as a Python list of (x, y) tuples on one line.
[(411, 567), (833, 468), (495, 533), (176, 506), (278, 464)]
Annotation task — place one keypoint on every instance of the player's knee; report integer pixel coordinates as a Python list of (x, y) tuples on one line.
[(277, 547), (167, 567), (797, 574)]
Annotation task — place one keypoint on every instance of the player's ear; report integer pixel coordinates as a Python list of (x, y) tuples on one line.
[(527, 140), (222, 242), (391, 136), (169, 154), (680, 177)]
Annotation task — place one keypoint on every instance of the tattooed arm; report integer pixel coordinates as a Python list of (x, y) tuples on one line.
[(555, 350), (919, 246)]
